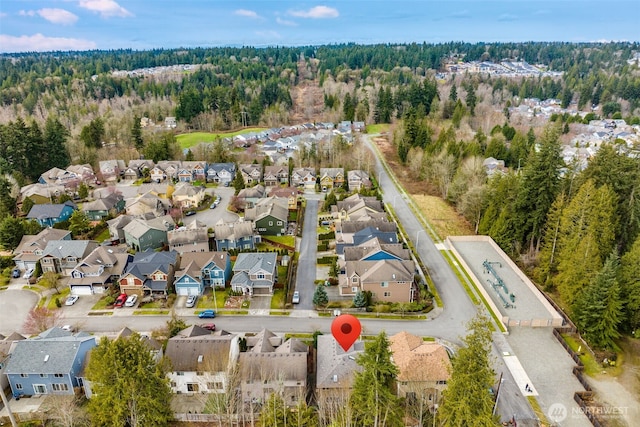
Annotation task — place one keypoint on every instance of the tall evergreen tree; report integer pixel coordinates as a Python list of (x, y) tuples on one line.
[(629, 280), (136, 133), (92, 134), (599, 308), (539, 188), (132, 386), (372, 402), (11, 232), (466, 400), (320, 298), (55, 140)]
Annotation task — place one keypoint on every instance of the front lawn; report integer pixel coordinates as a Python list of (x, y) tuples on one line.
[(278, 299), (207, 300)]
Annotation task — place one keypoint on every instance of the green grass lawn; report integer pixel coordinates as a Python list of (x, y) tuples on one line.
[(379, 128), (103, 236), (150, 312), (62, 296), (278, 299), (285, 240), (100, 305), (188, 140), (207, 301), (591, 366)]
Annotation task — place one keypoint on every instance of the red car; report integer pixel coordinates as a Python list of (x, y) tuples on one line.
[(122, 298), (209, 326)]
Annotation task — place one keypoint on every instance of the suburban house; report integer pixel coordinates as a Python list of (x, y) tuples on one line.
[(358, 179), (41, 193), (200, 360), (364, 235), (170, 169), (424, 368), (269, 216), (202, 269), (292, 195), (250, 196), (99, 270), (275, 176), (99, 209), (48, 214), (84, 172), (251, 173), (331, 178), (62, 256), (145, 203), (49, 363), (149, 273), (111, 169), (116, 227), (335, 373), (375, 250), (187, 196), (63, 177), (272, 365), (141, 165), (346, 229), (304, 178), (170, 122), (255, 273), (192, 171), (221, 173), (387, 280), (7, 345), (31, 247), (494, 167), (141, 235), (235, 235), (192, 237), (157, 174), (358, 208)]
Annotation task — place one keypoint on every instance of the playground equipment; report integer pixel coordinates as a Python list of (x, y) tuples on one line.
[(499, 284)]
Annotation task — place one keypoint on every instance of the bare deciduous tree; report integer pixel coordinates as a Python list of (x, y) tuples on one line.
[(40, 319)]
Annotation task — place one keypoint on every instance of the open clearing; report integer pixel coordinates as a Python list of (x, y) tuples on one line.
[(188, 140)]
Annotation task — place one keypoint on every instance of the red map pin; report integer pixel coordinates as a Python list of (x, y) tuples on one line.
[(346, 330)]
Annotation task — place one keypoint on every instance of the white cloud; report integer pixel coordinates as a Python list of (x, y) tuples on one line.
[(40, 43), (285, 22), (269, 34), (106, 8), (246, 13), (27, 13), (58, 16), (316, 12)]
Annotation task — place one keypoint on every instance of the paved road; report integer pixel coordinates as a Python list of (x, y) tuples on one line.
[(14, 306), (306, 273)]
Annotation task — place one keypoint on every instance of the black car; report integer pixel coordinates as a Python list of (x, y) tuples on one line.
[(189, 213), (15, 273)]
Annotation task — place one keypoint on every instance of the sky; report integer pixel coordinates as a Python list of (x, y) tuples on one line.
[(45, 25)]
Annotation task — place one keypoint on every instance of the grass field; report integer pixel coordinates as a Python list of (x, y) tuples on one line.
[(442, 216), (379, 128), (188, 140)]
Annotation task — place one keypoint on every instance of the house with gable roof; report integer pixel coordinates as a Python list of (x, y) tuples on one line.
[(57, 176), (424, 368), (145, 203), (255, 273), (272, 364), (48, 214), (7, 345), (187, 196), (31, 247), (292, 194), (304, 178), (331, 178), (235, 235), (170, 169), (140, 234), (202, 269), (111, 169), (150, 273), (269, 216), (192, 237), (248, 197), (41, 193), (49, 363), (335, 372), (99, 209), (358, 179), (99, 270), (62, 256), (275, 176), (388, 280), (251, 173), (358, 208), (201, 360), (221, 173)]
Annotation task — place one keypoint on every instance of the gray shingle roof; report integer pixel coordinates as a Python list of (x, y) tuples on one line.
[(47, 210), (192, 350), (335, 367), (69, 248)]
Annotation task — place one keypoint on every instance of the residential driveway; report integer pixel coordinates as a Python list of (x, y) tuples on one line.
[(14, 307), (307, 261)]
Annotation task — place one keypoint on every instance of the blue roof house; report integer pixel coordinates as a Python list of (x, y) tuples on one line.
[(50, 363), (48, 214)]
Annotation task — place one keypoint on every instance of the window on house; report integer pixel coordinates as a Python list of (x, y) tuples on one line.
[(18, 386), (260, 276), (174, 384), (441, 382), (58, 375), (354, 279), (384, 284), (24, 375), (279, 222), (199, 373), (180, 374), (43, 375), (354, 289), (192, 387), (60, 387), (387, 294), (40, 389), (270, 223)]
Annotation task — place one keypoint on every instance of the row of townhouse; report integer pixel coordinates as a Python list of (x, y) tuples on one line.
[(305, 178), (54, 363), (94, 268), (173, 170)]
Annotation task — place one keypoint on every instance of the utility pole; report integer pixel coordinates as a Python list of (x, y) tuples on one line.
[(6, 405)]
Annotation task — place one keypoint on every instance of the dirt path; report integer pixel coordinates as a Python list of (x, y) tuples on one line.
[(622, 402)]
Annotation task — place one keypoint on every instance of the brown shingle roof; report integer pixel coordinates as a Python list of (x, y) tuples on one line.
[(419, 360)]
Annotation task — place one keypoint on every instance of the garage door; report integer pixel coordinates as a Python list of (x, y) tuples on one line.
[(182, 291), (81, 290), (191, 290)]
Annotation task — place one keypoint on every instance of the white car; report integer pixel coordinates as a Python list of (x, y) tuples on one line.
[(191, 301), (28, 273), (71, 300), (296, 297), (131, 300)]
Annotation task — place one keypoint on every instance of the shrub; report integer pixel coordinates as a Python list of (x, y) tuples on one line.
[(58, 303), (171, 299)]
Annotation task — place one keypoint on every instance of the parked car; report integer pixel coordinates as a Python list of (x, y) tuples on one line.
[(213, 205), (69, 328), (122, 298), (189, 213), (15, 273), (296, 297), (207, 314), (28, 273), (71, 300), (209, 326), (191, 301), (131, 301)]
